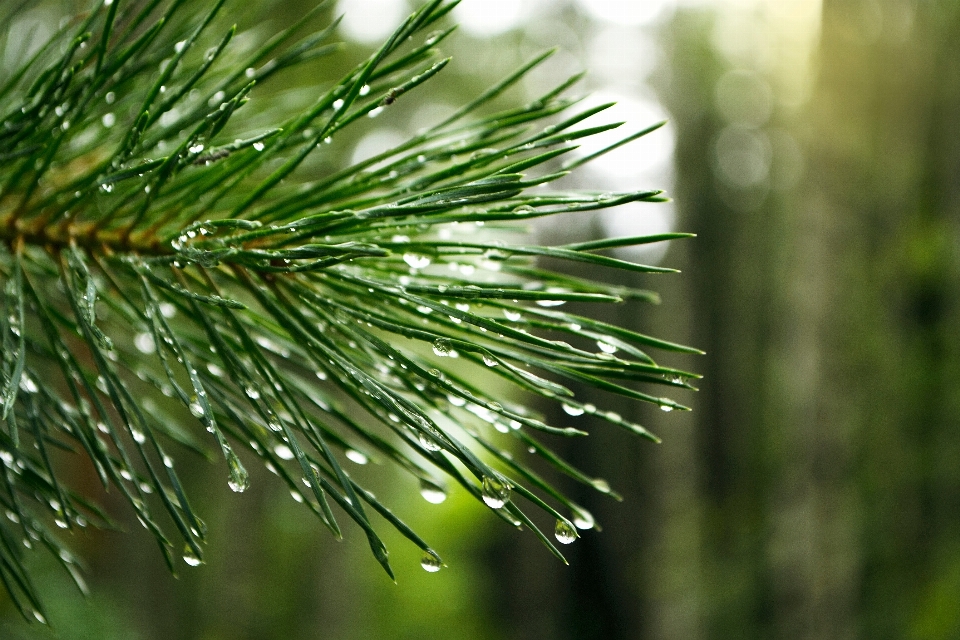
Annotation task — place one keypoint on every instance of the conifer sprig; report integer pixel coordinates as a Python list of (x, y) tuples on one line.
[(166, 254)]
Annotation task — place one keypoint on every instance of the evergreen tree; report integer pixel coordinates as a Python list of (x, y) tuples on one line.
[(169, 251)]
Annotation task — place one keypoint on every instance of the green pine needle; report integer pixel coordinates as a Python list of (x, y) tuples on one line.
[(168, 251)]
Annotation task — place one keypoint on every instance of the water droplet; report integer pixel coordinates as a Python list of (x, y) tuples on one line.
[(250, 72), (572, 410), (283, 452), (27, 384), (190, 556), (239, 478), (216, 98), (108, 120), (144, 343), (443, 347), (427, 443), (495, 493), (364, 90), (416, 261), (138, 436), (489, 361), (259, 146), (338, 104), (375, 112), (456, 401), (179, 46), (196, 408), (432, 493), (583, 520), (564, 533), (252, 393), (601, 485), (606, 347), (356, 456), (430, 563), (512, 316), (38, 615)]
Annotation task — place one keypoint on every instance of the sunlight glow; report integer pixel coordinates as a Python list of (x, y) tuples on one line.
[(371, 21)]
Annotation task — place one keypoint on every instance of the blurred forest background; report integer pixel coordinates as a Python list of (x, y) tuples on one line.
[(814, 491)]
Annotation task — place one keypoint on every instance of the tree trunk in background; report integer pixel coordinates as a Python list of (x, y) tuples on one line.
[(828, 418), (889, 153), (778, 540)]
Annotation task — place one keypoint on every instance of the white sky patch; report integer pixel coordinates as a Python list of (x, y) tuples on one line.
[(490, 17), (650, 154), (25, 35), (621, 55), (429, 114), (625, 12), (371, 21), (639, 219), (376, 142)]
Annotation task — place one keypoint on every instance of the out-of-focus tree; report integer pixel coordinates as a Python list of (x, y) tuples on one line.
[(825, 300), (887, 159)]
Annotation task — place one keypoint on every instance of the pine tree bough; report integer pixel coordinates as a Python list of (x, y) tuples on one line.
[(165, 254)]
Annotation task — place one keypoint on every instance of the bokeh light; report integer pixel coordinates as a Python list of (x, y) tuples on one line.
[(624, 12), (371, 21)]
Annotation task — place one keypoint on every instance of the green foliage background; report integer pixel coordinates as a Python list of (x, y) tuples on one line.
[(813, 492), (148, 255)]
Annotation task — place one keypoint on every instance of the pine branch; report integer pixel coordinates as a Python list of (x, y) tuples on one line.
[(168, 251)]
